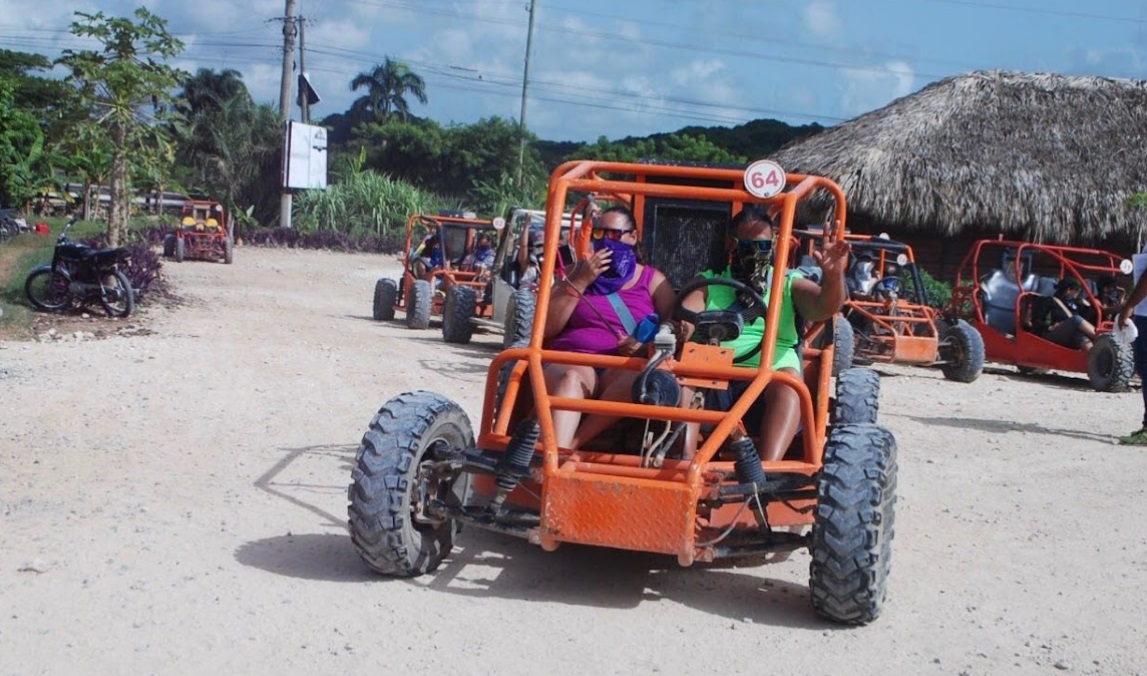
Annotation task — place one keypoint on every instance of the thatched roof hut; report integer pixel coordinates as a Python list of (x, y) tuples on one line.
[(1038, 156)]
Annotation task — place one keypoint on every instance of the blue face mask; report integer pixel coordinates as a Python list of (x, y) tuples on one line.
[(622, 264)]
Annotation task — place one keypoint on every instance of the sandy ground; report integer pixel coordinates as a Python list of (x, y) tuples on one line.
[(176, 503)]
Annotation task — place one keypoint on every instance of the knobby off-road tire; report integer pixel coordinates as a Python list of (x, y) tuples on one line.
[(851, 540), (47, 290), (844, 344), (857, 397), (228, 251), (519, 318), (461, 302), (963, 353), (385, 298), (119, 298), (412, 428), (180, 250), (168, 246), (1110, 364), (418, 305)]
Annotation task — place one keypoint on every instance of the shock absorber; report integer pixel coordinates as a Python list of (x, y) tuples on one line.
[(748, 462), (515, 462)]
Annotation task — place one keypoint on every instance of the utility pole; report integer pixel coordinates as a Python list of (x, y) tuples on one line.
[(525, 86), (285, 103), (304, 103)]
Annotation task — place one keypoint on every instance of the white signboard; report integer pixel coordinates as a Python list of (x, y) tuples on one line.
[(306, 156), (764, 178)]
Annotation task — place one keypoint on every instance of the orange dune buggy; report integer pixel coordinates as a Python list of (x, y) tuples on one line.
[(892, 321), (1001, 283), (204, 233), (425, 296), (420, 473)]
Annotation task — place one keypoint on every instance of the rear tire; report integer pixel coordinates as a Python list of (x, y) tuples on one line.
[(461, 303), (418, 305), (851, 539), (228, 251), (180, 250), (168, 246), (119, 298), (388, 525), (844, 344), (385, 298), (857, 397), (519, 318), (1110, 364), (47, 290), (962, 349)]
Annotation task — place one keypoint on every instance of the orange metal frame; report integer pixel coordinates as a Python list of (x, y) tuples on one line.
[(1025, 348), (426, 224), (609, 499)]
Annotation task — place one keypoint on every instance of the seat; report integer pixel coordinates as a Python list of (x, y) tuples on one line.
[(999, 296)]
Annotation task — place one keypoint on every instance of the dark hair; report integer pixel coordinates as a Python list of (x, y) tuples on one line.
[(1067, 284), (1105, 281), (624, 211), (750, 213)]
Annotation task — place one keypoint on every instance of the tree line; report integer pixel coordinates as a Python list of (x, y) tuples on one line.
[(123, 117)]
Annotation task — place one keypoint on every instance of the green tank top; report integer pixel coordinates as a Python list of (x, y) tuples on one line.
[(721, 297)]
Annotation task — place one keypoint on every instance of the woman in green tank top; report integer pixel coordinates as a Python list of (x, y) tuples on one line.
[(750, 262)]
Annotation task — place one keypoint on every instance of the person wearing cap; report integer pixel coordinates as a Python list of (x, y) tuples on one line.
[(427, 257), (862, 278), (529, 262), (1058, 318)]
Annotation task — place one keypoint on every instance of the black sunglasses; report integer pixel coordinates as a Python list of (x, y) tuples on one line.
[(758, 245)]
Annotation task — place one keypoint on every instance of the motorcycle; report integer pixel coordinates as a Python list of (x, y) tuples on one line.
[(81, 275)]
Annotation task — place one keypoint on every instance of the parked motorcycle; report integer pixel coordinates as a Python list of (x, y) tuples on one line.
[(81, 275)]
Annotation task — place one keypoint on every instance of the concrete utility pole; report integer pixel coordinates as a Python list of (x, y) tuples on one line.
[(304, 103), (525, 85), (285, 102)]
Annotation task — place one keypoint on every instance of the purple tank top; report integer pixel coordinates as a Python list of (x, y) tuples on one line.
[(584, 332)]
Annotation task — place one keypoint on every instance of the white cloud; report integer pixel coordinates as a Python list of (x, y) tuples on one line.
[(869, 89), (821, 18), (696, 72)]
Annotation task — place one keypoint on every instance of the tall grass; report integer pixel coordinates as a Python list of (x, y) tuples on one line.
[(364, 203)]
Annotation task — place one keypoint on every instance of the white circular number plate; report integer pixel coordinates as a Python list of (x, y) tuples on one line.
[(499, 223), (1126, 266), (764, 178)]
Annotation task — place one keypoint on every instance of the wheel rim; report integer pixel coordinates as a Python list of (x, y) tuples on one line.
[(50, 290), (429, 488), (114, 296)]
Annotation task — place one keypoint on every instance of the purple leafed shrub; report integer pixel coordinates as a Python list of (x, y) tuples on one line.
[(143, 266), (324, 239)]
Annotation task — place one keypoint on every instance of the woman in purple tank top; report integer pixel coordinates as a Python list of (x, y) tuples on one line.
[(584, 318)]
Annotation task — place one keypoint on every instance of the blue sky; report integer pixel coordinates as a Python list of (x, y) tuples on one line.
[(612, 68)]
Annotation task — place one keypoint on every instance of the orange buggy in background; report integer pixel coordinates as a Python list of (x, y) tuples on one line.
[(204, 233), (988, 295), (420, 473), (417, 297), (894, 322)]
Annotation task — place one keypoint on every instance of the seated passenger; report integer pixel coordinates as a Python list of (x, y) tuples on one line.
[(527, 266), (861, 279), (481, 259), (750, 251), (427, 257), (890, 284), (1110, 296), (594, 311), (1057, 318)]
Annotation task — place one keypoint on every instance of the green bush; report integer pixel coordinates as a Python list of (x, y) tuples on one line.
[(939, 292), (364, 203)]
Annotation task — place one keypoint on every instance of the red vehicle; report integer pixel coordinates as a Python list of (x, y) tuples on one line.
[(1000, 285), (670, 477), (428, 274), (888, 318), (204, 233)]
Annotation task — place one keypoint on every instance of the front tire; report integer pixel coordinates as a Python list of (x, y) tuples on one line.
[(519, 318), (168, 246), (851, 539), (1110, 364), (228, 251), (47, 290), (180, 250), (418, 305), (385, 298), (962, 349), (461, 304), (389, 526), (118, 298)]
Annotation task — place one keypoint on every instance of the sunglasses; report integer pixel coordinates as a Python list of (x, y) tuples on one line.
[(609, 233), (758, 245)]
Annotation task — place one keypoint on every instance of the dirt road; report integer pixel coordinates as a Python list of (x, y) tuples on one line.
[(176, 503)]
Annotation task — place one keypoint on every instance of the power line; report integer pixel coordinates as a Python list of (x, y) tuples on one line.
[(1038, 10)]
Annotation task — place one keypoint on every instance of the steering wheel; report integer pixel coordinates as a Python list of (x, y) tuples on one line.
[(718, 326)]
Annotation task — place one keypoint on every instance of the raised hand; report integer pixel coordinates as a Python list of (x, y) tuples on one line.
[(833, 259), (586, 272)]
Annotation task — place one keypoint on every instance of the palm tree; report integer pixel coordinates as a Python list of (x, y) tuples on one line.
[(387, 85), (207, 90)]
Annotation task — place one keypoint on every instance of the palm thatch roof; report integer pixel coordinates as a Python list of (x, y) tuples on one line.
[(1047, 157)]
